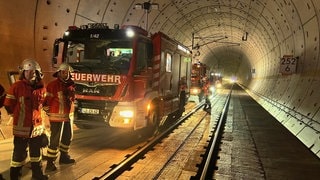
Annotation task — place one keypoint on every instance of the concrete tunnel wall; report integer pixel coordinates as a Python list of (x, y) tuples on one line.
[(28, 29)]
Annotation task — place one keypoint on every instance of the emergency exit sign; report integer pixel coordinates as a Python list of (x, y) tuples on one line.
[(288, 65)]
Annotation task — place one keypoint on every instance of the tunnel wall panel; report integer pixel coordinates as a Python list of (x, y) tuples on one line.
[(317, 116), (112, 16), (304, 9), (94, 13), (316, 147), (299, 93), (310, 103), (82, 20), (278, 22), (291, 88), (52, 21), (304, 128), (310, 62), (282, 116), (308, 136), (17, 36), (280, 88)]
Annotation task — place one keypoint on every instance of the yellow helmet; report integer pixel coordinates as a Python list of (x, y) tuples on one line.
[(63, 67), (31, 64)]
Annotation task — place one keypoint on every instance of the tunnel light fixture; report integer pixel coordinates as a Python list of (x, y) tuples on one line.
[(147, 7), (183, 49)]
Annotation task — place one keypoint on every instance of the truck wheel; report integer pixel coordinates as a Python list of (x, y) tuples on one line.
[(153, 122)]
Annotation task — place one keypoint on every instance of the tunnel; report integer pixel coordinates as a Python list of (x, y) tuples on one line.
[(270, 46)]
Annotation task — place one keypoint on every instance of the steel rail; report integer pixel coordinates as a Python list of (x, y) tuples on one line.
[(206, 168), (212, 155), (126, 164)]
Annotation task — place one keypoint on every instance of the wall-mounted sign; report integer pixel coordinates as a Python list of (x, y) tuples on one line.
[(288, 65)]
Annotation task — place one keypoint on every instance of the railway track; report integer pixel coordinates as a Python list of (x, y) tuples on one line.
[(174, 153), (180, 151), (183, 143)]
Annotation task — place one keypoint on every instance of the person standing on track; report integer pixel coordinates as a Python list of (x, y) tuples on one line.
[(58, 103), (206, 91), (24, 101)]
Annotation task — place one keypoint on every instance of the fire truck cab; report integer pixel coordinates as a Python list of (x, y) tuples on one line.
[(124, 78)]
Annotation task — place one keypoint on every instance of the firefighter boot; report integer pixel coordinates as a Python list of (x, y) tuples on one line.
[(50, 165), (65, 159), (15, 173), (37, 172)]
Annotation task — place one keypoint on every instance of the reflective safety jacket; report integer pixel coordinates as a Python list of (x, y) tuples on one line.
[(205, 88), (58, 100), (24, 102)]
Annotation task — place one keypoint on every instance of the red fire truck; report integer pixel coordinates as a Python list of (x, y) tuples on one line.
[(198, 78), (124, 78)]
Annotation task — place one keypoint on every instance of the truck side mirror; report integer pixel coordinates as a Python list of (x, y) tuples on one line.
[(55, 52)]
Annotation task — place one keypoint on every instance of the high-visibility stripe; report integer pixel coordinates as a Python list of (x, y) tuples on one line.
[(53, 153), (22, 113), (35, 159), (61, 102), (10, 96), (48, 94), (64, 148), (17, 164)]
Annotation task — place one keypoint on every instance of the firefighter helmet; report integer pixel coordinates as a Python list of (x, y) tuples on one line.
[(31, 64), (63, 67)]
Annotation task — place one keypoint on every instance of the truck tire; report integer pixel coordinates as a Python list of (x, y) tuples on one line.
[(153, 122)]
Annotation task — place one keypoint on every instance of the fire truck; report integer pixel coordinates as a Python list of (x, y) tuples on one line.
[(124, 77), (198, 78)]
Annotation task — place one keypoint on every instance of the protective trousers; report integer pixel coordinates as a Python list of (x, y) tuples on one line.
[(20, 154), (60, 139)]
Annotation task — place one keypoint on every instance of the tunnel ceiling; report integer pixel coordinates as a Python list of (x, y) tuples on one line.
[(235, 37), (225, 34)]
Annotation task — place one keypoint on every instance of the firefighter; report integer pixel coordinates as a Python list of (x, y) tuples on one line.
[(58, 103), (24, 101), (206, 91)]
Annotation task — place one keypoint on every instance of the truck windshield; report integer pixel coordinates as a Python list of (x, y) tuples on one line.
[(100, 54)]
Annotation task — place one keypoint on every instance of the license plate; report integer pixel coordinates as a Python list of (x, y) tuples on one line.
[(89, 111)]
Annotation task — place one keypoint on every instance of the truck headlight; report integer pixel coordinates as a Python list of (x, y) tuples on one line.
[(126, 113)]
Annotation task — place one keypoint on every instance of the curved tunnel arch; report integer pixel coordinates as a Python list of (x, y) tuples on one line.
[(275, 28)]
